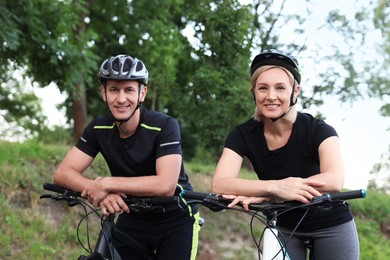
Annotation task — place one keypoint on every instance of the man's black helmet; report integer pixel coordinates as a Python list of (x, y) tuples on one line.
[(123, 67), (278, 58)]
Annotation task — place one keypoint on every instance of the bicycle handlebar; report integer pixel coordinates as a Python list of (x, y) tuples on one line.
[(217, 202), (344, 195), (129, 200), (61, 190)]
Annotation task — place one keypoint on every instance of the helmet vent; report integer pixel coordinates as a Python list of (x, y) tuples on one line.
[(139, 66), (127, 66)]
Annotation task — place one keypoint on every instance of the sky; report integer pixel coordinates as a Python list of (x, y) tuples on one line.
[(364, 134)]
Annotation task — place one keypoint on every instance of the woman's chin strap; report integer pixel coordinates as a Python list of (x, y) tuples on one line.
[(282, 115)]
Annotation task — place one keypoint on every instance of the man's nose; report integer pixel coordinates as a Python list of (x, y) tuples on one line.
[(121, 96)]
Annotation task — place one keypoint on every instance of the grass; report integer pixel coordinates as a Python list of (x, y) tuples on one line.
[(41, 229)]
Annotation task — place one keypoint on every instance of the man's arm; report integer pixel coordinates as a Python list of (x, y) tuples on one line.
[(162, 184), (69, 173)]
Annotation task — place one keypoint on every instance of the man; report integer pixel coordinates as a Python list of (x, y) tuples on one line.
[(142, 149)]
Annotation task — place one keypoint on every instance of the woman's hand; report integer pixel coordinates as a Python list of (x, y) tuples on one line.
[(294, 188), (244, 201)]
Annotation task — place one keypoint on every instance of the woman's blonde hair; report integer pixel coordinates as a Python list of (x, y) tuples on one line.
[(291, 114)]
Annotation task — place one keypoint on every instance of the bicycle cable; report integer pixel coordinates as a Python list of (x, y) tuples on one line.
[(86, 205)]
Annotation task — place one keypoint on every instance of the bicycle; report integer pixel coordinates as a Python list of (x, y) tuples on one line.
[(104, 247), (273, 247), (267, 212)]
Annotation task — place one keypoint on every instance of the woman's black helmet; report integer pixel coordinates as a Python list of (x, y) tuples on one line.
[(278, 58), (123, 67)]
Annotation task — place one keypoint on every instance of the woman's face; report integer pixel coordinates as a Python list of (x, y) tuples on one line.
[(122, 97), (272, 92)]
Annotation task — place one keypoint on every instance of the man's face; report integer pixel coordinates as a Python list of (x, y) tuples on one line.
[(122, 97)]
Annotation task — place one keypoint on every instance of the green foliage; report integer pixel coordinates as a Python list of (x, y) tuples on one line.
[(373, 244), (380, 72), (201, 80), (20, 111), (374, 206), (379, 174), (217, 86), (56, 135)]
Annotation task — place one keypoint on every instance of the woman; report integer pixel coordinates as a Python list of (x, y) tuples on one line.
[(295, 157)]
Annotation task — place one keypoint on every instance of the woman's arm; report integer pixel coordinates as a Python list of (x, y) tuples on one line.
[(331, 166), (226, 181)]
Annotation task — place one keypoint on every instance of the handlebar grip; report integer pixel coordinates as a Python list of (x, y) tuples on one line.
[(59, 189), (347, 195), (54, 187)]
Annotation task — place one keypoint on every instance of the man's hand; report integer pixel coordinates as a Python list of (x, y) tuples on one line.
[(113, 203), (94, 191)]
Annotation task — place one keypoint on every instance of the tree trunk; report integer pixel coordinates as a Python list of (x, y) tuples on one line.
[(79, 111), (154, 97)]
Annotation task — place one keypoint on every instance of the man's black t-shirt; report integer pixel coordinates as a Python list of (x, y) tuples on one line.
[(157, 135), (298, 158)]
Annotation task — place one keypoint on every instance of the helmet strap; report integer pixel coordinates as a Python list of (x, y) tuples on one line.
[(292, 102), (282, 115)]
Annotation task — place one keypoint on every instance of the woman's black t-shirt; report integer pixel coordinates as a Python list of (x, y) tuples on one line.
[(298, 158)]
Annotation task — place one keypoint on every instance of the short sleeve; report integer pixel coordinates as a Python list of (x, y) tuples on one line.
[(169, 140), (323, 132), (236, 142), (87, 143)]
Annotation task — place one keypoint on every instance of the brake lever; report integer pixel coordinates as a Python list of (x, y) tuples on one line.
[(71, 201), (46, 196), (213, 205)]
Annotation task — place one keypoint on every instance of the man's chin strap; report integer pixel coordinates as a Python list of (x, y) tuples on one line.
[(121, 121), (125, 120)]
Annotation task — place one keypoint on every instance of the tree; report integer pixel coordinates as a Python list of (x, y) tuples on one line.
[(47, 38), (20, 111), (202, 80), (380, 88), (214, 86)]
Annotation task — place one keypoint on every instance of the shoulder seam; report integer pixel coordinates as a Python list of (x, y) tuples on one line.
[(151, 127), (104, 126)]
